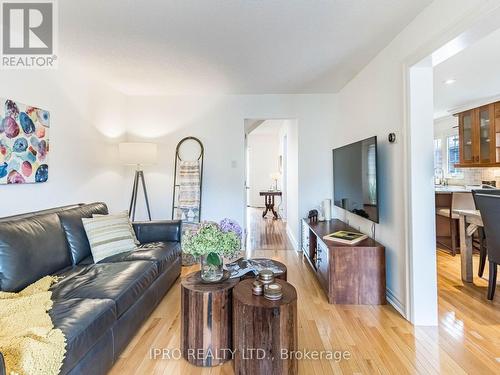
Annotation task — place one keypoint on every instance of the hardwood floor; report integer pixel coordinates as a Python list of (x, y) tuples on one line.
[(265, 234), (378, 339)]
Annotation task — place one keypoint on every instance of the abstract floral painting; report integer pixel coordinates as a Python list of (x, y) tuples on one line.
[(24, 143)]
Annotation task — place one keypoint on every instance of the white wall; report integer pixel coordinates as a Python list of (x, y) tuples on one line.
[(373, 103), (423, 309), (263, 160), (219, 122), (293, 214), (445, 126), (86, 122)]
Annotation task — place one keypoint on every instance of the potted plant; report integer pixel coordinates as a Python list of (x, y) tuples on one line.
[(210, 243)]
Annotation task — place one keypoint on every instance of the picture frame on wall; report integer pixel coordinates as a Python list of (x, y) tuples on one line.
[(24, 143)]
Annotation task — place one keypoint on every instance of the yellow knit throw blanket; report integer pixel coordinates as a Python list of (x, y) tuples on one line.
[(28, 340)]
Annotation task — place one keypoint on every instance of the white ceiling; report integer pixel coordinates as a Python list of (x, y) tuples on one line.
[(477, 73), (228, 46)]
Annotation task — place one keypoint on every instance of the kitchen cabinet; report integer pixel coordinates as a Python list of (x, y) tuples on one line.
[(465, 134), (497, 132), (479, 136)]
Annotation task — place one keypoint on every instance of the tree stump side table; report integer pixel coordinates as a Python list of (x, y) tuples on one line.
[(206, 310), (262, 329)]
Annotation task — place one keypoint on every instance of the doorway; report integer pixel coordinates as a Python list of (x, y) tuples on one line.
[(420, 145), (269, 145)]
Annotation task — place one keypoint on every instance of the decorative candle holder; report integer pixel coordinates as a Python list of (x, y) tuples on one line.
[(273, 292), (266, 277), (257, 288)]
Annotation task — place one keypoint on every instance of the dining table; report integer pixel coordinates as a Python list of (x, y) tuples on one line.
[(469, 222)]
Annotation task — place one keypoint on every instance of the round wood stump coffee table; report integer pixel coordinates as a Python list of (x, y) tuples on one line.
[(264, 331), (206, 309)]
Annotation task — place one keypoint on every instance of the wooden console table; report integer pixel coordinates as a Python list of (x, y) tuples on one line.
[(269, 198), (349, 274)]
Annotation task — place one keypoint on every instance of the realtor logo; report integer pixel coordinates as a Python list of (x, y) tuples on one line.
[(28, 34)]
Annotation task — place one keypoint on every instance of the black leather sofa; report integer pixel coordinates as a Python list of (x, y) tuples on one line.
[(99, 307)]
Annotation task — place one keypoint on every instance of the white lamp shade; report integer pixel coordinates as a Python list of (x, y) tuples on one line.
[(138, 153)]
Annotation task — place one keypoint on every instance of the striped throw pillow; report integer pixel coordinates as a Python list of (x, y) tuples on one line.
[(108, 235), (123, 216)]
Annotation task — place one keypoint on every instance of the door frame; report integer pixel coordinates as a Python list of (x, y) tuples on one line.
[(291, 203), (465, 32), (284, 174)]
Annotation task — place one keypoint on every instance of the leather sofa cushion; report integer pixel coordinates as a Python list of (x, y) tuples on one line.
[(83, 322), (68, 272), (162, 253), (121, 282), (71, 221), (158, 230), (87, 261), (31, 248), (40, 212)]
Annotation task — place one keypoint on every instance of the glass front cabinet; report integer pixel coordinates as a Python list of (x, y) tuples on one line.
[(466, 137), (479, 132), (497, 132)]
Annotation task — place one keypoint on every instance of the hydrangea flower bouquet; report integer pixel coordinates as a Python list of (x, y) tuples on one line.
[(212, 241)]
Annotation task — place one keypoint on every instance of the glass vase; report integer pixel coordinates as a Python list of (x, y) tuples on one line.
[(211, 268)]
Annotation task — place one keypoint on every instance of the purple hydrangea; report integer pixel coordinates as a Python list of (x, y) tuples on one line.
[(228, 225), (11, 108)]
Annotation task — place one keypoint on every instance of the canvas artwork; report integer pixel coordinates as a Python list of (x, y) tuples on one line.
[(24, 143)]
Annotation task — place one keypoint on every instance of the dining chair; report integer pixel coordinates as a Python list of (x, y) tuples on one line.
[(459, 200), (444, 223), (489, 206), (483, 245)]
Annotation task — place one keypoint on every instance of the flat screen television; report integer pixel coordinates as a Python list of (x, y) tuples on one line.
[(355, 178)]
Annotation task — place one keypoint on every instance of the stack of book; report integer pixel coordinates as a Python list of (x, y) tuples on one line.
[(346, 237)]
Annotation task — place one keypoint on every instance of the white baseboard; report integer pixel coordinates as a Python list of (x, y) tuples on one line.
[(395, 302), (294, 242)]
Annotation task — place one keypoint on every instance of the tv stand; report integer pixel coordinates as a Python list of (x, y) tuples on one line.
[(349, 274)]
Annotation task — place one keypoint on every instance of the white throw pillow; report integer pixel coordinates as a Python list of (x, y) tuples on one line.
[(108, 235), (123, 216)]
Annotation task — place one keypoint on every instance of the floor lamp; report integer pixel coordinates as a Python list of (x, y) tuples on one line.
[(138, 155)]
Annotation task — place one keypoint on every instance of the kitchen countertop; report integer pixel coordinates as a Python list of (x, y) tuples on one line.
[(456, 188)]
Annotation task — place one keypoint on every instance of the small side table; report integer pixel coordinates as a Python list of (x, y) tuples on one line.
[(206, 336), (269, 200), (263, 328)]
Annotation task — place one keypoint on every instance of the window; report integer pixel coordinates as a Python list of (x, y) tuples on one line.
[(446, 155), (453, 155), (438, 154)]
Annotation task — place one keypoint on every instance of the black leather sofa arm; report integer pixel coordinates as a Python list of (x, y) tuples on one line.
[(152, 231), (2, 365)]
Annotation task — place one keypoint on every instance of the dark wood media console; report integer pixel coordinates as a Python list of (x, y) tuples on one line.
[(349, 274)]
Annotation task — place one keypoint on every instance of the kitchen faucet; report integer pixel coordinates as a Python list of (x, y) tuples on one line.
[(439, 177)]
